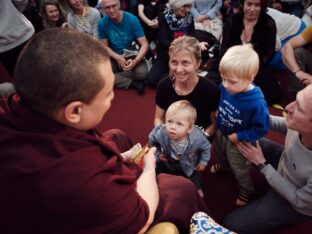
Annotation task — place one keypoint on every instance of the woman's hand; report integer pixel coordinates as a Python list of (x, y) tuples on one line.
[(233, 138), (64, 25), (250, 152), (153, 23), (203, 45)]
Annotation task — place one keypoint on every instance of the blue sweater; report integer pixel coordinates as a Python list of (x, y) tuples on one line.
[(245, 114)]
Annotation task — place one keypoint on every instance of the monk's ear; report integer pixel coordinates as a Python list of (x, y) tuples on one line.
[(72, 112)]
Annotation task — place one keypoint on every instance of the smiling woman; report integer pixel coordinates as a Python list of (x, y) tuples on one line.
[(52, 14)]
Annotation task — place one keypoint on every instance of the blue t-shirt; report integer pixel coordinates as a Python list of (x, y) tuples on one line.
[(245, 114), (120, 35)]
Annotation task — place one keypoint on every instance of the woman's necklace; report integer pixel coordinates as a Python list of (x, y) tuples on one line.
[(80, 18)]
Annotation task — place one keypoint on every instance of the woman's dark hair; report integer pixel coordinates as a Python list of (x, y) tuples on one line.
[(45, 20), (263, 4)]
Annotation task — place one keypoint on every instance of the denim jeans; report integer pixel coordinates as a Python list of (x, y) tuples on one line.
[(268, 212)]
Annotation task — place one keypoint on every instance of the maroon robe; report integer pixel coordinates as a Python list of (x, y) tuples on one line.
[(56, 179)]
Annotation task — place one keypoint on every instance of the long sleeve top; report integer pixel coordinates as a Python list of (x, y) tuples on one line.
[(87, 23), (293, 178), (245, 114)]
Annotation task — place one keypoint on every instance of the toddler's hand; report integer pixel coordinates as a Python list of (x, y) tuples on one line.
[(163, 157), (200, 167), (233, 138)]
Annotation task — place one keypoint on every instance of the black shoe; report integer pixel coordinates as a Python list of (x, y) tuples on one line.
[(138, 86)]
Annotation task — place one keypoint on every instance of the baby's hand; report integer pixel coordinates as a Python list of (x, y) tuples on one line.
[(233, 138), (163, 157), (200, 167)]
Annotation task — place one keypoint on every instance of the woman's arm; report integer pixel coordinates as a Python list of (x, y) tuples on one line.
[(142, 15), (211, 129), (288, 54), (159, 116), (147, 187)]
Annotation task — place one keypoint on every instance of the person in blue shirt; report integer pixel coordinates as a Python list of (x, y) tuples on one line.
[(242, 115), (182, 148), (118, 30)]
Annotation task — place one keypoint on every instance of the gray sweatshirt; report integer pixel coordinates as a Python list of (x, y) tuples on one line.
[(15, 29), (293, 179)]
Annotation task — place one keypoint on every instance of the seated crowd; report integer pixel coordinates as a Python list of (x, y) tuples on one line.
[(57, 168)]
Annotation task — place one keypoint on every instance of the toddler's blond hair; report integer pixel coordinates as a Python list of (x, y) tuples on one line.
[(185, 107), (240, 60)]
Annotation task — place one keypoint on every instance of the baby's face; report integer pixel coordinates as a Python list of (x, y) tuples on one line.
[(177, 126), (234, 84)]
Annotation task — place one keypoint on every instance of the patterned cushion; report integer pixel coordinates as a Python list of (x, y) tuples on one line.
[(201, 223)]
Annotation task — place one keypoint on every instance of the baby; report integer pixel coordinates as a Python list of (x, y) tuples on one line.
[(182, 148)]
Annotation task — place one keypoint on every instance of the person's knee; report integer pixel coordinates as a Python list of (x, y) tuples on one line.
[(233, 222)]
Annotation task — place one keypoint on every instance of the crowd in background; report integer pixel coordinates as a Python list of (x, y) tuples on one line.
[(216, 23)]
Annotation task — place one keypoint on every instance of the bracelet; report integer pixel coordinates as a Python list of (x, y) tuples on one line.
[(295, 72)]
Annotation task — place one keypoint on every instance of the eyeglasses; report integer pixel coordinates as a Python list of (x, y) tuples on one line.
[(113, 7)]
